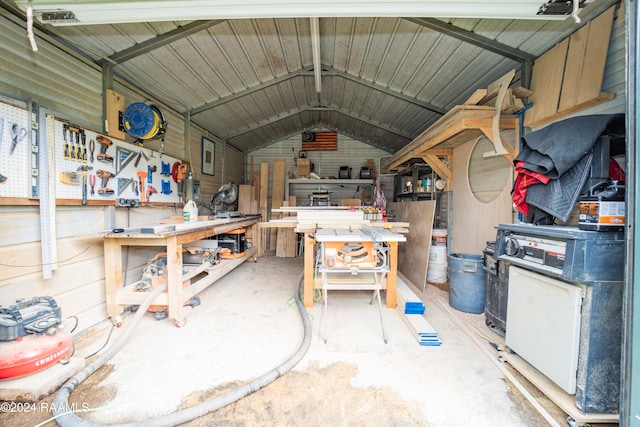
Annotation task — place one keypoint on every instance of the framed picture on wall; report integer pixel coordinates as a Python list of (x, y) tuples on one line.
[(208, 156)]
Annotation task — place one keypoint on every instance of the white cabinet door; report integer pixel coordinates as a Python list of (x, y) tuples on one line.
[(543, 324)]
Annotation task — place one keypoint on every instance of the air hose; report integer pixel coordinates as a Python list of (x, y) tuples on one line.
[(70, 419)]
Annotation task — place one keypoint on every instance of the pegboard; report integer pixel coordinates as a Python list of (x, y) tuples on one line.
[(71, 151), (119, 160), (14, 151)]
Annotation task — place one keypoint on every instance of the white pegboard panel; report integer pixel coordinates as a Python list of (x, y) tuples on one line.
[(14, 151), (142, 160)]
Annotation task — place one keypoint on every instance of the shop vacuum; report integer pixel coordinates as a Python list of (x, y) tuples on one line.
[(31, 338)]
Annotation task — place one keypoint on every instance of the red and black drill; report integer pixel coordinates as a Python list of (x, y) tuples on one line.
[(105, 176)]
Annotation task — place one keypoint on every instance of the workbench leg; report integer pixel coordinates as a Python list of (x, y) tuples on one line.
[(174, 277), (392, 276), (113, 276), (309, 246)]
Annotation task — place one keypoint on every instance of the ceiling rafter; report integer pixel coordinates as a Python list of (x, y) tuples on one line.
[(327, 72)]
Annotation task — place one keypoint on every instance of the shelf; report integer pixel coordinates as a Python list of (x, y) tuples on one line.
[(417, 172), (339, 188), (331, 181)]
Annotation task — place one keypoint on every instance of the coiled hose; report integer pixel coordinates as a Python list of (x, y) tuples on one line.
[(70, 419)]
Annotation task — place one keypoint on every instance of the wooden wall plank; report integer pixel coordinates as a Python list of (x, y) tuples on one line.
[(586, 61), (546, 82)]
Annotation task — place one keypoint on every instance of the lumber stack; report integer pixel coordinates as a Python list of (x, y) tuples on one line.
[(411, 310)]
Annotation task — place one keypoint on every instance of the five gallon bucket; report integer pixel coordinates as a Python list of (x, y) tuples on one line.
[(467, 283), (437, 270)]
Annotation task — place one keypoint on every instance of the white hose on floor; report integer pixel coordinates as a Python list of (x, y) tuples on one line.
[(70, 419)]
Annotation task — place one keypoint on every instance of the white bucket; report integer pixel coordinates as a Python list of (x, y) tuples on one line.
[(437, 270), (439, 237)]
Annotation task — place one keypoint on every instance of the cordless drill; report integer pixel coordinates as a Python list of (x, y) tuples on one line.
[(105, 176), (105, 143)]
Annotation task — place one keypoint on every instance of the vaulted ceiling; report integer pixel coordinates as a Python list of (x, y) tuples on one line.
[(380, 80)]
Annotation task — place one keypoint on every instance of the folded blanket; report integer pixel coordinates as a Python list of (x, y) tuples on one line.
[(554, 150), (562, 152)]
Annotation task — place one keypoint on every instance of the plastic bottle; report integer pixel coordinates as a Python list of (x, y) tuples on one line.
[(190, 211)]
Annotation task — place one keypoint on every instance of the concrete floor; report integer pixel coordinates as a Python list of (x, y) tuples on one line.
[(248, 324)]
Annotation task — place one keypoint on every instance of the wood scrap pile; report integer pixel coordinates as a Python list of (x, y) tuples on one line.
[(514, 100)]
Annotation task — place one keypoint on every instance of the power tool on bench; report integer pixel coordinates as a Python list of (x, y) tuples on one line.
[(105, 143), (105, 176), (154, 275), (31, 338)]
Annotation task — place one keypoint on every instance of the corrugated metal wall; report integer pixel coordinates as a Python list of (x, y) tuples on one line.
[(72, 90)]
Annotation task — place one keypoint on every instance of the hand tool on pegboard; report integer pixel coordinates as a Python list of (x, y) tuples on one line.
[(92, 183), (34, 144), (17, 134), (84, 169), (123, 183), (150, 170), (92, 149), (70, 177), (166, 187), (150, 190), (178, 172), (141, 177), (105, 176)]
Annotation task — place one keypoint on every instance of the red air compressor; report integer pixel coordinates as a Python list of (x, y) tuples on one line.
[(31, 338)]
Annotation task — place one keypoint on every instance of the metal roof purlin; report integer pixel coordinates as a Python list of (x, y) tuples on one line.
[(473, 38), (261, 86), (162, 40)]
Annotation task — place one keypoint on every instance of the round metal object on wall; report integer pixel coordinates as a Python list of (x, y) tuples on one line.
[(488, 172)]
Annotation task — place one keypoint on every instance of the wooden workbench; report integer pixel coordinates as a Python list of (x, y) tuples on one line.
[(118, 296)]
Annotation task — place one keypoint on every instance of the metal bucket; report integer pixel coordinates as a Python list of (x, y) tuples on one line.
[(467, 283)]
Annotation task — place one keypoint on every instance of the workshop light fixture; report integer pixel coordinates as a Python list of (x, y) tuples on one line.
[(86, 12), (315, 49)]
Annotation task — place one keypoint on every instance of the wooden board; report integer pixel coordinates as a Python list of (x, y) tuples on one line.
[(584, 70), (263, 203), (413, 255), (473, 221), (277, 195), (244, 198), (568, 78), (546, 82), (115, 107)]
